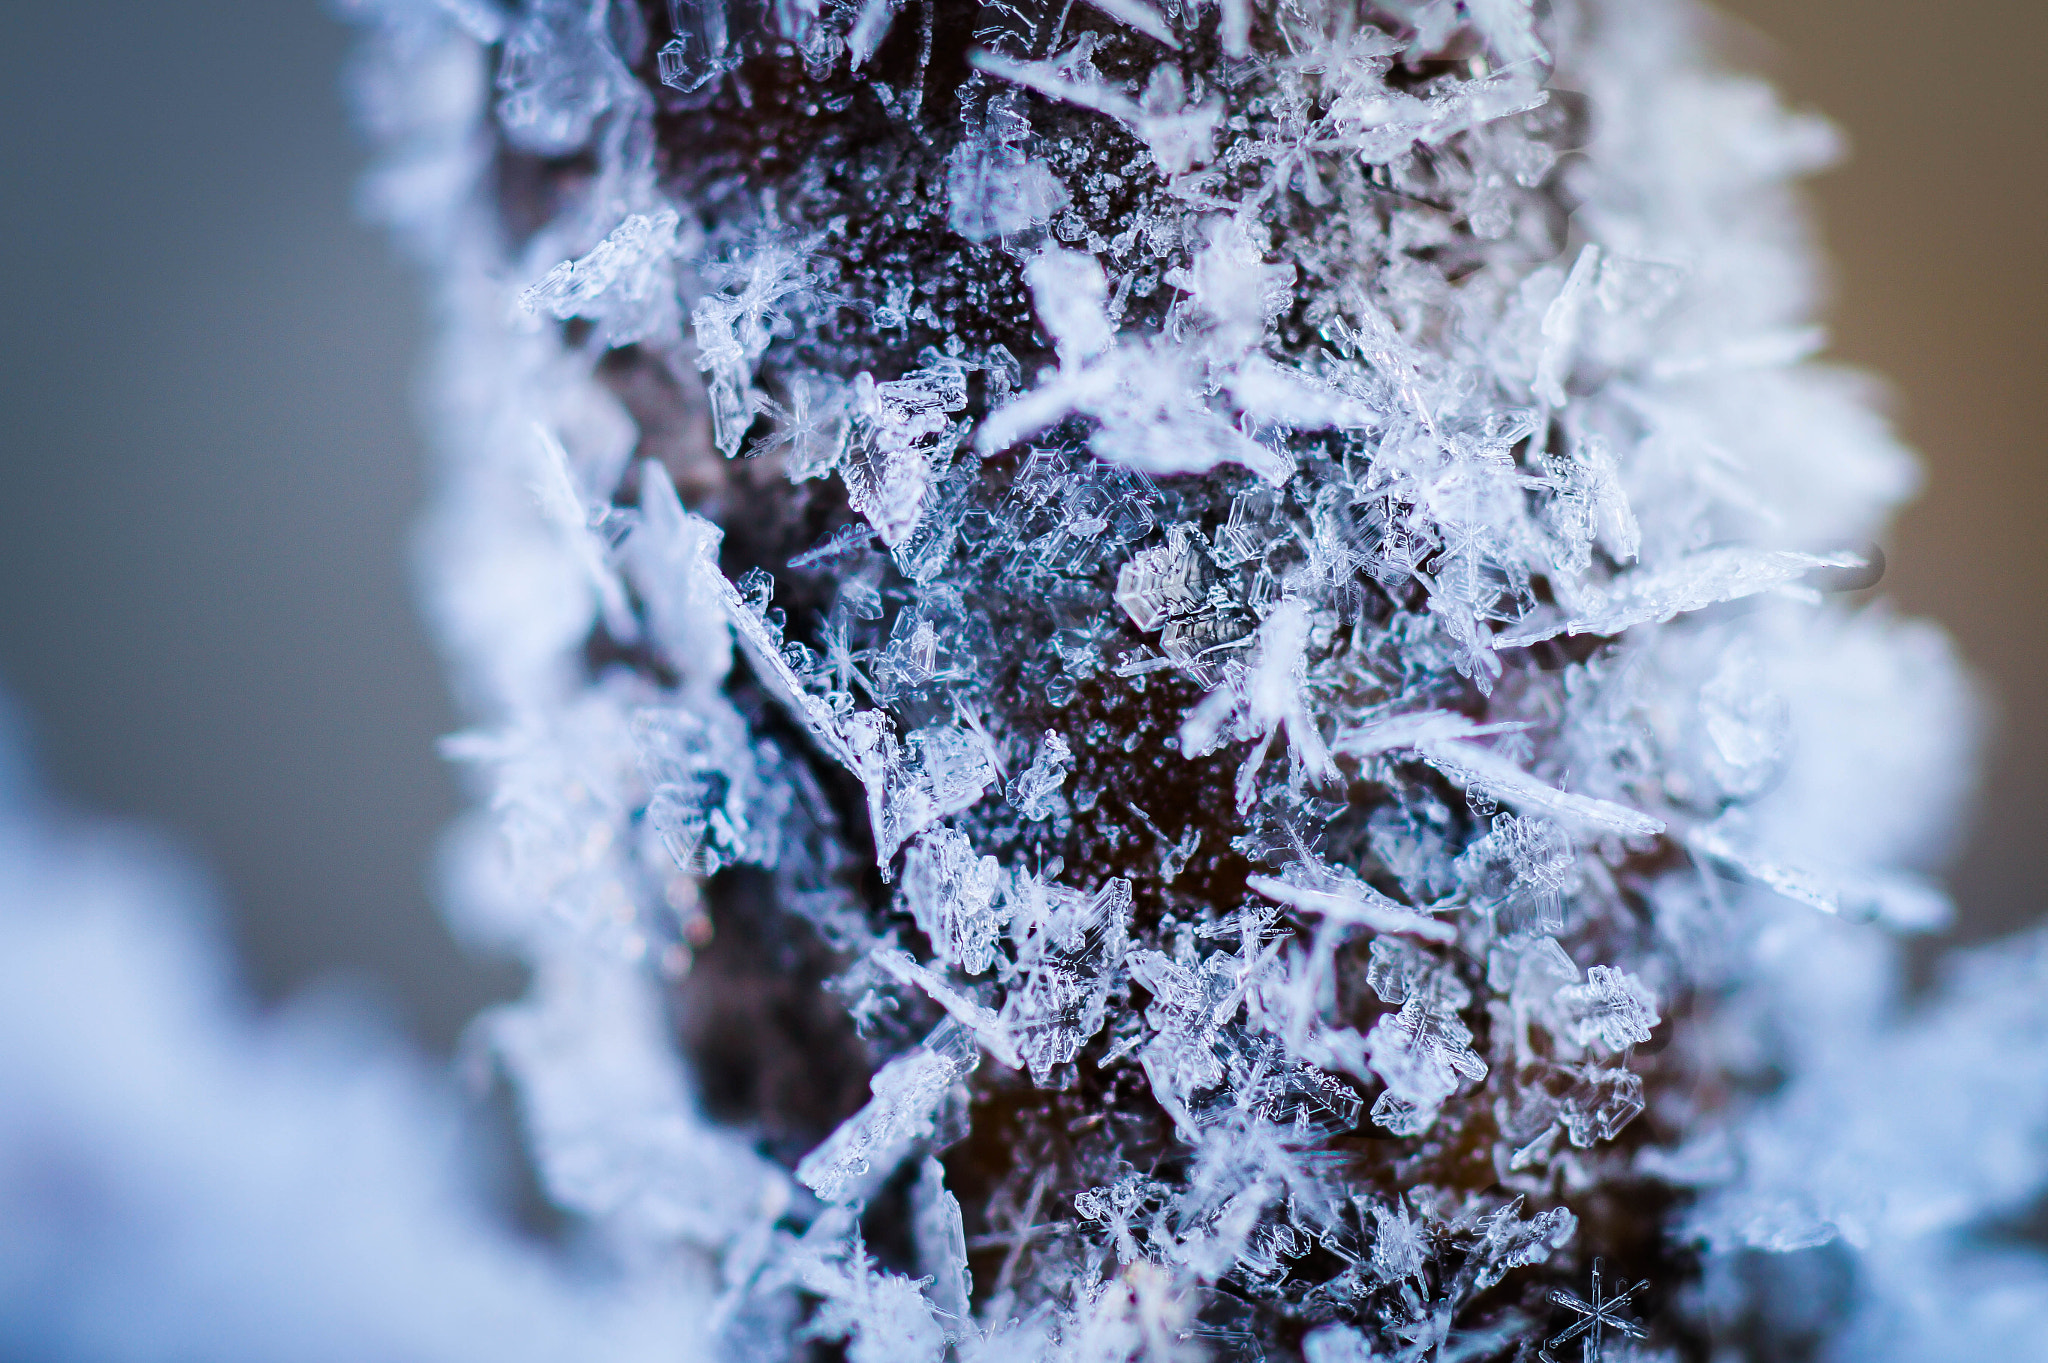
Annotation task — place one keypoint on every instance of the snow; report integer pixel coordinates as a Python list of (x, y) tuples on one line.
[(1281, 597)]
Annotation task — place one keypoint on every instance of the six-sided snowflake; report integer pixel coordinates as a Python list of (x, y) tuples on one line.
[(1601, 1313)]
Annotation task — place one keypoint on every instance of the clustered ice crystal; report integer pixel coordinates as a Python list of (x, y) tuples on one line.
[(1154, 681)]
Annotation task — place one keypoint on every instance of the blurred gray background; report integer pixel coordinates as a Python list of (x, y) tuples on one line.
[(211, 466), (211, 469)]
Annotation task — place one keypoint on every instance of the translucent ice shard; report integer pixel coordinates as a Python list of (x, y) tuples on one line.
[(908, 1094), (952, 894), (1035, 791), (1073, 947), (1651, 596), (700, 51), (627, 281), (1612, 1007), (1347, 900)]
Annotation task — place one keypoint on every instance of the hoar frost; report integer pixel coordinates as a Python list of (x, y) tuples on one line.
[(1171, 654)]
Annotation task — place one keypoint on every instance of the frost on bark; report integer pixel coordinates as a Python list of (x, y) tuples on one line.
[(1154, 676)]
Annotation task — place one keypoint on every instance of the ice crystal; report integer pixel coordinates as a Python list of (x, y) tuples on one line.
[(1595, 1317), (1186, 643)]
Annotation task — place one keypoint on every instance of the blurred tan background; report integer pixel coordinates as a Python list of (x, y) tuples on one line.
[(1937, 229), (209, 462)]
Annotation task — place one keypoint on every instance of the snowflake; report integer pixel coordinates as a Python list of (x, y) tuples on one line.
[(1601, 1313)]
